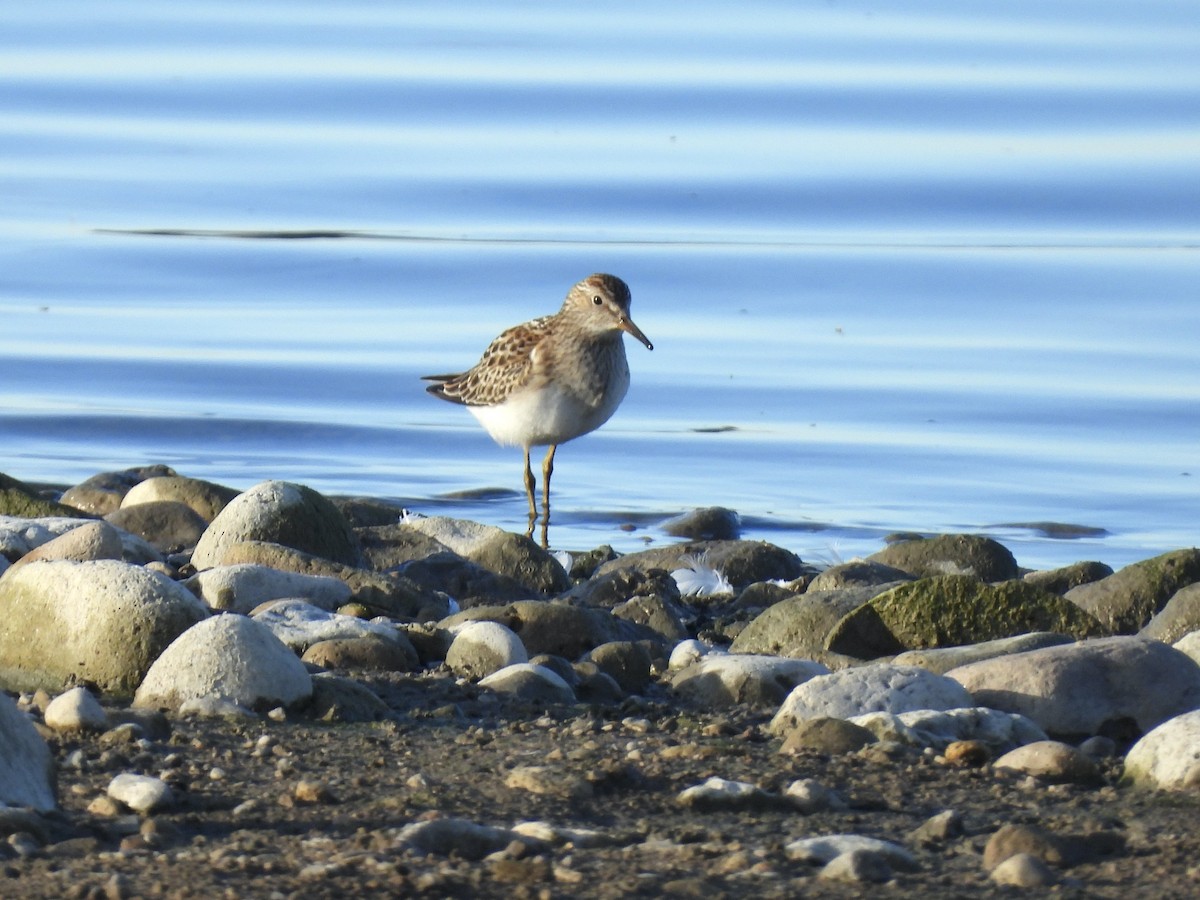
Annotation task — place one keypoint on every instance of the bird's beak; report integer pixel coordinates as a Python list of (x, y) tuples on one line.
[(626, 324)]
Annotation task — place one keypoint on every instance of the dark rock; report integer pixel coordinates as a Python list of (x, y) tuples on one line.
[(860, 573), (1059, 581), (951, 554), (711, 523), (103, 493), (741, 562), (168, 525), (1125, 601), (21, 500), (626, 662), (827, 735), (1180, 616)]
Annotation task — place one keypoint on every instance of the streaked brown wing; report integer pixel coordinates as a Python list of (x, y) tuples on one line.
[(506, 364)]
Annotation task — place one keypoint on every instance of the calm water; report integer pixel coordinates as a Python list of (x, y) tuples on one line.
[(923, 268)]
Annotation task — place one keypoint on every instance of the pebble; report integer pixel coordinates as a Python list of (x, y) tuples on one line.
[(76, 710), (143, 794), (823, 850), (1024, 870)]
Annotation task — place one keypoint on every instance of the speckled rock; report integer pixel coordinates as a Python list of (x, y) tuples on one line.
[(998, 732), (1168, 756), (727, 679), (243, 587), (458, 836), (628, 663), (661, 615), (27, 769), (230, 657), (143, 794), (1125, 601), (282, 513), (824, 849), (299, 624), (724, 794), (555, 628), (18, 535), (203, 497), (469, 583), (953, 610), (336, 699), (951, 554), (865, 689), (1024, 870), (481, 648), (87, 541), (102, 622), (1088, 687), (372, 652), (942, 659), (828, 735), (1059, 581), (1180, 616), (858, 573)]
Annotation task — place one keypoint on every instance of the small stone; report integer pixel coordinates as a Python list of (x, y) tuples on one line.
[(809, 796), (547, 780), (1010, 840), (76, 710), (1024, 870), (945, 826), (857, 866), (142, 793), (824, 734), (1051, 761), (311, 792), (972, 754), (721, 793)]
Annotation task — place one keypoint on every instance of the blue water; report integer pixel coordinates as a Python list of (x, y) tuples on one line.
[(926, 268)]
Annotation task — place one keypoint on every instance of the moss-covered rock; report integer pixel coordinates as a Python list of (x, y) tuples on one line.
[(20, 500), (953, 610), (1125, 601)]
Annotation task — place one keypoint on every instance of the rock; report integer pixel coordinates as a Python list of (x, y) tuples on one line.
[(549, 781), (727, 679), (858, 573), (998, 731), (481, 648), (1088, 687), (231, 657), (950, 554), (26, 764), (337, 699), (101, 622), (202, 497), (20, 500), (712, 523), (388, 545), (243, 587), (662, 616), (102, 494), (281, 513), (1024, 870), (458, 836), (18, 536), (620, 586), (165, 524), (1059, 581), (740, 562), (1051, 761), (942, 659), (371, 652), (1058, 850), (626, 662), (687, 652), (940, 828), (721, 793), (75, 710), (555, 628), (1125, 601), (144, 794), (299, 625), (1180, 616), (857, 866), (761, 594), (1189, 645), (382, 594), (952, 610), (1168, 756), (827, 735), (876, 688), (470, 584), (502, 552), (798, 627), (821, 850), (87, 541), (529, 683), (808, 796)]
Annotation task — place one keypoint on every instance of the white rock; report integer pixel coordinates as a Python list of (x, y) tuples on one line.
[(242, 587), (299, 624), (143, 794), (821, 850), (103, 622), (445, 836), (810, 796), (19, 535), (91, 540), (722, 793), (462, 536), (1077, 688), (1000, 731), (76, 710), (1024, 870), (215, 708), (529, 682), (726, 679), (1168, 756), (229, 657), (857, 866), (687, 652), (481, 648), (873, 688), (26, 766)]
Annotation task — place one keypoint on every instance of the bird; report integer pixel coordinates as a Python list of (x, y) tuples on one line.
[(551, 379)]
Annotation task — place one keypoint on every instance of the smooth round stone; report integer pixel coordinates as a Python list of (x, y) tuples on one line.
[(827, 735), (1024, 870), (481, 648), (75, 710), (1050, 761), (143, 794)]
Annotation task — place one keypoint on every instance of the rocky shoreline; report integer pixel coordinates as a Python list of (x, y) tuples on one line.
[(274, 693)]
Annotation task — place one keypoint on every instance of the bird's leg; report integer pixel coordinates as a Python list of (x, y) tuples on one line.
[(530, 486), (547, 470)]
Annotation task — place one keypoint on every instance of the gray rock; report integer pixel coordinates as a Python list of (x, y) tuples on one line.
[(458, 836), (281, 513), (372, 652), (387, 546), (83, 542), (529, 683), (711, 523), (143, 794), (1125, 601), (620, 586), (230, 657), (299, 624), (858, 573), (1179, 617), (857, 866), (662, 616), (243, 587), (998, 731), (942, 659), (20, 535), (103, 493), (469, 583), (953, 610), (626, 662), (1059, 581), (75, 710), (822, 850), (727, 679), (808, 796), (951, 554), (481, 648), (1190, 645), (555, 628), (203, 497), (741, 562), (102, 622), (337, 699), (166, 525), (1051, 761), (721, 794), (1168, 756), (27, 772), (1088, 687), (1024, 870), (865, 689), (549, 781), (827, 735)]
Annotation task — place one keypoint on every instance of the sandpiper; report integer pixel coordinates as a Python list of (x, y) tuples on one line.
[(551, 379)]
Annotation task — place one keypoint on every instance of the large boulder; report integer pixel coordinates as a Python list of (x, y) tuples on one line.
[(950, 554), (1168, 756), (1120, 686), (26, 765), (228, 657), (101, 622), (21, 500), (281, 513), (88, 541), (1125, 601), (953, 610), (1179, 617), (203, 497)]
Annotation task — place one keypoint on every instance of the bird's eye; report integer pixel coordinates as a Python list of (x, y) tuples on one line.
[(597, 300)]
